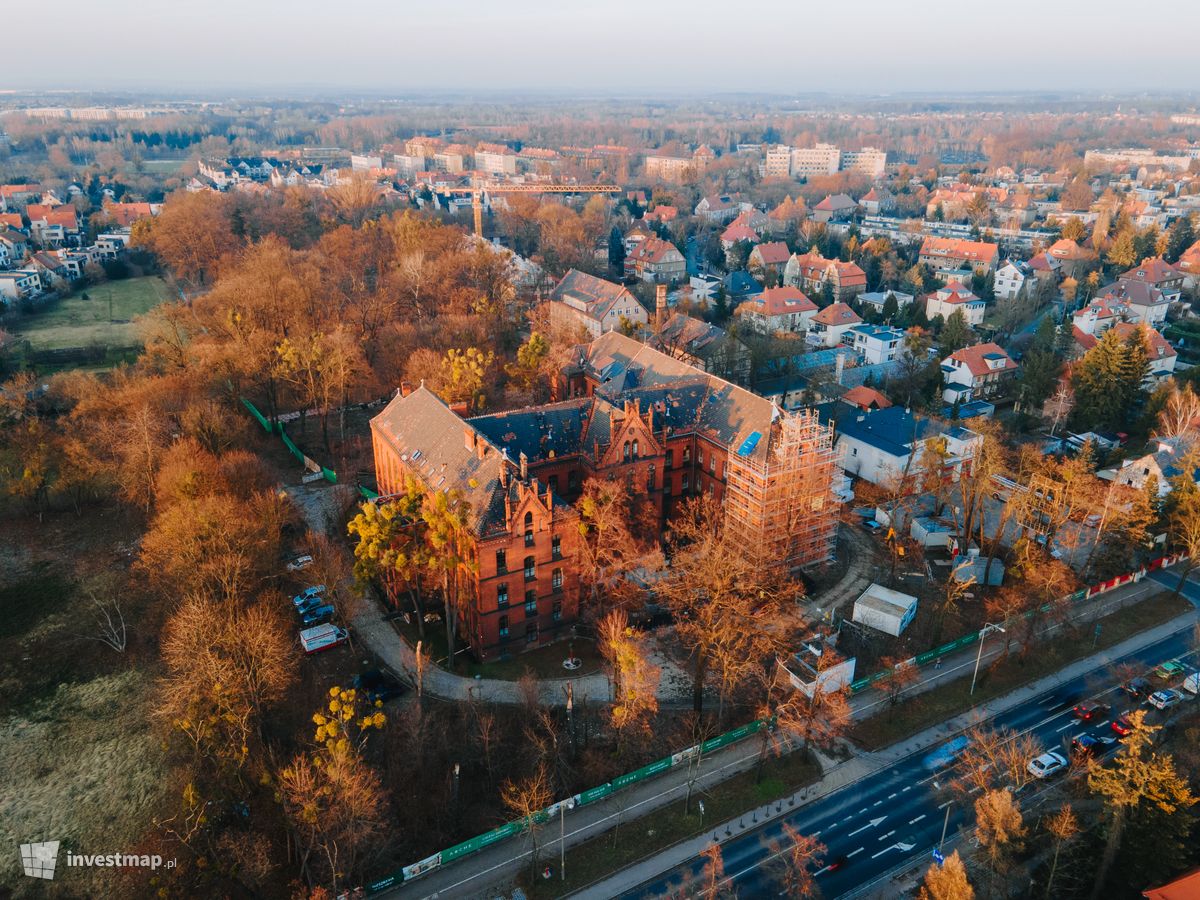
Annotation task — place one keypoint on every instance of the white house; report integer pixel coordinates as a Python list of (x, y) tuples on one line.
[(885, 610), (875, 343), (878, 299), (1163, 463), (888, 444), (1012, 280), (954, 296), (976, 372), (19, 284), (828, 327), (1146, 303), (596, 304), (777, 309)]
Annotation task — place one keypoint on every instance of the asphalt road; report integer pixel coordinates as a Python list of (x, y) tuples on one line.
[(897, 814)]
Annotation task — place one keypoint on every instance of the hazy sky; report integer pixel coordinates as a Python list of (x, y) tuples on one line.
[(872, 46)]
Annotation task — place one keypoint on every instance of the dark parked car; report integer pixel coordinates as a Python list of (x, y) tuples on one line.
[(1090, 744), (1088, 712), (1137, 688), (378, 685), (318, 616)]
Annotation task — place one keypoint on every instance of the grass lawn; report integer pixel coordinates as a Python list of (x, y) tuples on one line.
[(643, 837), (105, 318), (923, 710)]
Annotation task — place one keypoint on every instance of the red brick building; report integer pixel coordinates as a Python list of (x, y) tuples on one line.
[(628, 411)]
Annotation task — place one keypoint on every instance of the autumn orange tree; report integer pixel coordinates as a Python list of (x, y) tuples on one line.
[(731, 615), (801, 856), (947, 881), (525, 798), (609, 548)]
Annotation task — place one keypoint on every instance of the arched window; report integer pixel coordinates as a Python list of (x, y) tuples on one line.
[(635, 449), (627, 451), (528, 529)]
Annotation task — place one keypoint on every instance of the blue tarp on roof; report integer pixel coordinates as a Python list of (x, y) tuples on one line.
[(750, 443)]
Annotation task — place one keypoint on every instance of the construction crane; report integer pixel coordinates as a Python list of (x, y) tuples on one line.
[(478, 190)]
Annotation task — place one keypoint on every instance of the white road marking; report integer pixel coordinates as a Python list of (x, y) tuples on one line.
[(877, 802), (853, 852), (883, 851), (1064, 727), (944, 805), (884, 837), (916, 820), (907, 788), (892, 796), (874, 823), (863, 810)]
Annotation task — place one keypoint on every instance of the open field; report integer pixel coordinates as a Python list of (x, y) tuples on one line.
[(106, 317)]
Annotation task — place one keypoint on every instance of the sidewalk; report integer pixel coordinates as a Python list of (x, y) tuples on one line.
[(490, 868), (867, 763)]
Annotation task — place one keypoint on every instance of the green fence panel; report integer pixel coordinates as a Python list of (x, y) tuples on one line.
[(287, 442), (591, 795), (262, 420), (367, 494), (330, 475)]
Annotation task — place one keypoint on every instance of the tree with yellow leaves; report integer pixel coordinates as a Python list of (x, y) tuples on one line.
[(526, 799), (947, 881), (635, 678), (347, 722)]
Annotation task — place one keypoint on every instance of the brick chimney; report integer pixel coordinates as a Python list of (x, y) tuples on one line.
[(660, 304), (524, 466)]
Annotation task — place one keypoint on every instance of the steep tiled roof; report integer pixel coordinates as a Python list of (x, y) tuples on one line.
[(11, 220), (542, 432), (1135, 293), (1152, 271), (693, 400), (977, 358), (866, 398), (773, 253), (738, 232), (835, 203), (837, 314), (1157, 346), (955, 248), (595, 294), (779, 301)]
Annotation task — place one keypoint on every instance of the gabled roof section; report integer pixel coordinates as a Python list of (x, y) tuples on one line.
[(592, 295)]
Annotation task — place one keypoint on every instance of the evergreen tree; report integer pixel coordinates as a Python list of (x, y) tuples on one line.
[(956, 334), (891, 306), (616, 250), (1123, 254), (1145, 244), (1108, 382), (827, 295), (1181, 237)]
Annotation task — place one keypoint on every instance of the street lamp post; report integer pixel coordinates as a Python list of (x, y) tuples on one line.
[(983, 633)]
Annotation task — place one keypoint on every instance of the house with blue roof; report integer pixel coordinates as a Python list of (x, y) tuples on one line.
[(889, 444)]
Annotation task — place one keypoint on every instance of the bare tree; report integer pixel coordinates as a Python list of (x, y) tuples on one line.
[(1181, 412), (801, 854), (1063, 827), (525, 799)]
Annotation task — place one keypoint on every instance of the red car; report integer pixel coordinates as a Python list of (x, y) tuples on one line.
[(1121, 724), (1086, 712)]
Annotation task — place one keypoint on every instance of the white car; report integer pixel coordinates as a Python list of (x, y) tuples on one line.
[(1047, 764), (300, 562), (1164, 699)]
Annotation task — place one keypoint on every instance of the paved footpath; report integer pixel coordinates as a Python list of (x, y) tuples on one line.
[(486, 874)]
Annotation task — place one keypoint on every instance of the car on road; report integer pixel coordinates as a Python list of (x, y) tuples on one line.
[(1137, 688), (1089, 712), (307, 594), (1122, 724), (1047, 764), (1169, 671), (1164, 699), (1084, 745), (318, 615), (300, 562), (378, 686)]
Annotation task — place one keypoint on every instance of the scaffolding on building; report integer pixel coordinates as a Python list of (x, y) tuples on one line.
[(781, 504)]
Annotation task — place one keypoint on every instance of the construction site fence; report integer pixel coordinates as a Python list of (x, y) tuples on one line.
[(967, 640), (583, 798), (318, 470)]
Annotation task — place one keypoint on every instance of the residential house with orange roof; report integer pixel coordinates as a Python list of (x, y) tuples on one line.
[(772, 256), (978, 372), (718, 208), (662, 214), (11, 220), (123, 215), (780, 309), (737, 232), (1098, 316), (657, 261), (955, 296), (829, 326), (1189, 265), (1072, 258), (810, 272), (1157, 272), (945, 255), (866, 398), (877, 200), (14, 196), (1161, 355), (53, 226)]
